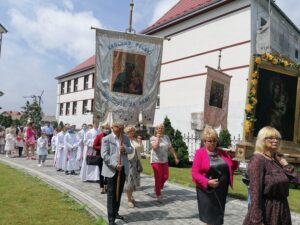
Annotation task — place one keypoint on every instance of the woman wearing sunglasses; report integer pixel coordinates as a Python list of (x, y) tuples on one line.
[(269, 176), (212, 172)]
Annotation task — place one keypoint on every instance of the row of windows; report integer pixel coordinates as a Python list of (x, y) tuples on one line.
[(65, 108), (69, 88)]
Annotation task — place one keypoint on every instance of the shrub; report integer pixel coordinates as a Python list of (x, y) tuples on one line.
[(224, 138), (177, 143)]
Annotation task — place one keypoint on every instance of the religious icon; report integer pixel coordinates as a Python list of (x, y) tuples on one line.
[(128, 73), (276, 98), (216, 94)]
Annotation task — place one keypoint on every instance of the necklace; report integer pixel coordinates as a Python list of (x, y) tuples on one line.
[(215, 153), (268, 156)]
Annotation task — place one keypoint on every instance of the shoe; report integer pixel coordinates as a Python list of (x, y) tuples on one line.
[(73, 172), (119, 217), (160, 199), (33, 158), (102, 191), (27, 158), (133, 200), (67, 173), (59, 170), (43, 164), (39, 165), (130, 204)]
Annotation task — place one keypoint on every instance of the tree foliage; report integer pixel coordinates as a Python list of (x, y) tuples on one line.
[(32, 111), (224, 138), (178, 144)]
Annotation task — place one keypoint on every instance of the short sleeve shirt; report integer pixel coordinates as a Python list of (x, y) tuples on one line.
[(160, 155)]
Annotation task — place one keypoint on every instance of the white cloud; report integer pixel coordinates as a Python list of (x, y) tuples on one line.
[(54, 29), (69, 4), (161, 8)]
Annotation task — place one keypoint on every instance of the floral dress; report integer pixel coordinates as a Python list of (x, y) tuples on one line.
[(269, 189), (133, 180)]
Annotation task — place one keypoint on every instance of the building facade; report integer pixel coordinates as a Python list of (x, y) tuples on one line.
[(217, 33), (75, 94)]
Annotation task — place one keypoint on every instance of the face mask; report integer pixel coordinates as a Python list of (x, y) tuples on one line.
[(106, 131), (71, 131), (84, 128)]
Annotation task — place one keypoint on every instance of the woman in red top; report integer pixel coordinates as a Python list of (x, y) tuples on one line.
[(97, 148)]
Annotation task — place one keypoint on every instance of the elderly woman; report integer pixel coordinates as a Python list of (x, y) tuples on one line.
[(212, 172), (135, 168), (161, 146), (269, 175)]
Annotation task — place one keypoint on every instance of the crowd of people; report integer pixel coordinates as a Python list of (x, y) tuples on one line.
[(118, 149)]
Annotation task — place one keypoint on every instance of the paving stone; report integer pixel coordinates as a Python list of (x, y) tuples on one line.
[(179, 205)]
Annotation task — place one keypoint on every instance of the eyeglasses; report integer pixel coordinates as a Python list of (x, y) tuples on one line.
[(272, 138), (211, 141)]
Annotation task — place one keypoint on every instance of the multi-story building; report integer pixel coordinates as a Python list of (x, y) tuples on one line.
[(75, 94), (200, 33)]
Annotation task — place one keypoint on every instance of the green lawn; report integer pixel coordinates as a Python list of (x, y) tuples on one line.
[(28, 200), (183, 176)]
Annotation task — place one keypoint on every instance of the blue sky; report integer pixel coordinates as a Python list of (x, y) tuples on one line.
[(47, 38)]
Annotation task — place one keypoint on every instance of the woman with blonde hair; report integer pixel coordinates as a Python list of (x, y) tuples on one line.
[(161, 146), (133, 179), (212, 171), (269, 176)]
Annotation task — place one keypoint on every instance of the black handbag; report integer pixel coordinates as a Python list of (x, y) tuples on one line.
[(93, 160)]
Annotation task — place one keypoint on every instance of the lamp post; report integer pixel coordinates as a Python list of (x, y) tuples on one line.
[(2, 31)]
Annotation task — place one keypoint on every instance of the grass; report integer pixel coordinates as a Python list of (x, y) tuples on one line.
[(28, 200), (183, 176)]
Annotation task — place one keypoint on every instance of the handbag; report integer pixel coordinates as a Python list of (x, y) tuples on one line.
[(93, 160), (139, 166)]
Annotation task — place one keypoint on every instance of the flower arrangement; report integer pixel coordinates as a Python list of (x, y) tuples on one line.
[(253, 79)]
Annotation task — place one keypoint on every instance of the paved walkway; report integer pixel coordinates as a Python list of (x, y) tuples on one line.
[(179, 207)]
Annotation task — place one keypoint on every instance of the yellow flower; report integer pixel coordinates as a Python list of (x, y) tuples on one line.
[(285, 63), (253, 91), (270, 57), (254, 101), (254, 74), (247, 127), (274, 61), (248, 108), (254, 82), (257, 60)]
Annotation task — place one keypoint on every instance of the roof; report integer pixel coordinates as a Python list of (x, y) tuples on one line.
[(182, 8), (13, 114), (89, 63)]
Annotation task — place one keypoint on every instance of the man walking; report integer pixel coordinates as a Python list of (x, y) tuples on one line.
[(114, 150)]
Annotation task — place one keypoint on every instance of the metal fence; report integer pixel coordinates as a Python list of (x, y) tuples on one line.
[(193, 143)]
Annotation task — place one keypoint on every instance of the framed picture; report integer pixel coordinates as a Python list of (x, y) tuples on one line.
[(276, 102), (128, 73)]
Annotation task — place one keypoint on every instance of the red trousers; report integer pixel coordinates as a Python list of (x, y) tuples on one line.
[(161, 175)]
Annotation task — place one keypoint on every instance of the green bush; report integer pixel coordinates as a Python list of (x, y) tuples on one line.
[(224, 138), (178, 144)]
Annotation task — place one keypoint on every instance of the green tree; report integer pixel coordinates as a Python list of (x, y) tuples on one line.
[(224, 138), (178, 144), (32, 111)]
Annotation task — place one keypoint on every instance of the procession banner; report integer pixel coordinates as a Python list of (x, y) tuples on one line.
[(216, 98), (127, 76)]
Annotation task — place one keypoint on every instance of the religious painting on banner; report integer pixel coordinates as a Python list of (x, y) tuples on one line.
[(216, 98), (128, 73), (127, 76)]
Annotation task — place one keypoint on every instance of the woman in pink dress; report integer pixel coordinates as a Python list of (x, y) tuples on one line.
[(30, 140)]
